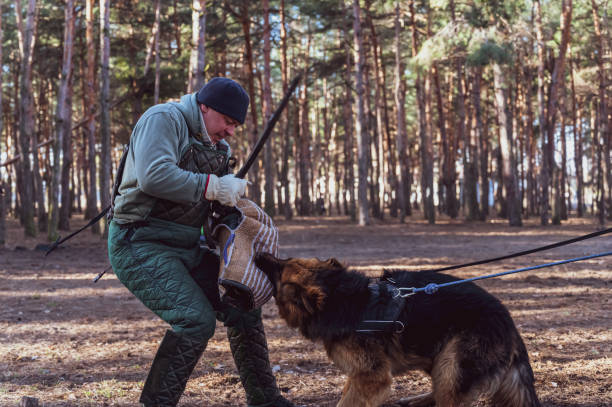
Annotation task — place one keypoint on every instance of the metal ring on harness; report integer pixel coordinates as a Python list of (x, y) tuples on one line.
[(405, 292), (375, 326)]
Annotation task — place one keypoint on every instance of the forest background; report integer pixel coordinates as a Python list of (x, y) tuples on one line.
[(467, 110), (442, 125)]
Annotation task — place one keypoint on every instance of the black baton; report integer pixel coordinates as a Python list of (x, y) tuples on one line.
[(268, 130)]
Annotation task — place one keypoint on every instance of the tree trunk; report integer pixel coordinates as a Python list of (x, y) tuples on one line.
[(382, 183), (599, 178), (75, 192), (62, 115), (349, 160), (304, 143), (67, 158), (553, 102), (483, 142), (177, 28), (157, 58), (328, 134), (373, 168), (519, 129), (4, 197), (39, 194), (425, 138), (220, 67), (90, 126), (254, 189), (197, 60), (403, 190), (563, 176), (16, 137), (553, 97), (546, 162), (578, 151), (593, 174), (530, 146), (151, 42), (81, 153), (105, 157), (294, 150), (448, 199), (603, 129), (391, 185), (514, 111), (286, 146), (338, 169), (505, 142), (38, 167), (469, 168), (27, 39), (267, 112), (4, 189), (363, 142), (478, 135)]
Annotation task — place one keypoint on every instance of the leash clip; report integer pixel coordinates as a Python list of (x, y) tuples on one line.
[(404, 292)]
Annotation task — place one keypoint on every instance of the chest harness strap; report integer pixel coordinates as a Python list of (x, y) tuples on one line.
[(383, 310)]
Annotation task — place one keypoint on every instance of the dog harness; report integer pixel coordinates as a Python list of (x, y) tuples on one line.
[(383, 310)]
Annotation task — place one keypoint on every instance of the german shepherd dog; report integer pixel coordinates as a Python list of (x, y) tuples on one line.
[(461, 336)]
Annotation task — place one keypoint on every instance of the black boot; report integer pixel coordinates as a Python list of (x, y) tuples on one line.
[(250, 351), (176, 357)]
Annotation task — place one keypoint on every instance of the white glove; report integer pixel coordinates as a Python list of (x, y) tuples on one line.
[(227, 190)]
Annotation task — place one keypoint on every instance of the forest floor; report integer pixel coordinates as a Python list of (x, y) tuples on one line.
[(69, 342)]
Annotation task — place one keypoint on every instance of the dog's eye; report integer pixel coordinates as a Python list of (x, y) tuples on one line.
[(288, 290)]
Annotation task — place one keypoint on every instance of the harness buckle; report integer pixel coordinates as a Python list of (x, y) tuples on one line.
[(401, 327), (389, 279)]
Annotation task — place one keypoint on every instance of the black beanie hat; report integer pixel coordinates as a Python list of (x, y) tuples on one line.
[(225, 96)]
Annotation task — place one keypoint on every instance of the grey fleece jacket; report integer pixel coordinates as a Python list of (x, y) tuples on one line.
[(157, 143)]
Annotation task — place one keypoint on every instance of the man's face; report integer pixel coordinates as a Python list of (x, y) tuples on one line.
[(218, 125)]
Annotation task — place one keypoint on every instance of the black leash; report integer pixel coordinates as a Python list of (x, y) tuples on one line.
[(523, 253), (100, 274), (432, 288), (59, 240), (108, 210)]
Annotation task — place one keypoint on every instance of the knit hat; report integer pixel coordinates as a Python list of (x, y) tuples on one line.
[(226, 96)]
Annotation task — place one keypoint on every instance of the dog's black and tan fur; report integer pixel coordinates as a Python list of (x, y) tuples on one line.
[(462, 336)]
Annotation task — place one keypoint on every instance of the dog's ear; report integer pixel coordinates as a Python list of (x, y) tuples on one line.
[(334, 263), (266, 261), (306, 301), (312, 298)]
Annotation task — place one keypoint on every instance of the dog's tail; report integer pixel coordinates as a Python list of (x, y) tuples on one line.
[(516, 388)]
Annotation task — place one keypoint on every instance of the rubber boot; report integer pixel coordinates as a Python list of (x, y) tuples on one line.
[(176, 358), (250, 351)]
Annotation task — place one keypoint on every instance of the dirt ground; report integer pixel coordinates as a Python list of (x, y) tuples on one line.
[(70, 342)]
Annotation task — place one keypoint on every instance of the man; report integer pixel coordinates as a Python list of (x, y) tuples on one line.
[(177, 164)]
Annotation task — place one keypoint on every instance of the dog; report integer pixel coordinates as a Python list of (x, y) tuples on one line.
[(461, 336)]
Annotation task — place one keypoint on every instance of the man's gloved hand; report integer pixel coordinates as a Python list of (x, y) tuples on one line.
[(227, 190)]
